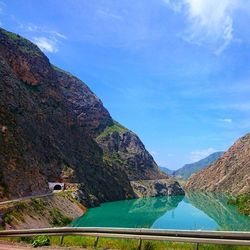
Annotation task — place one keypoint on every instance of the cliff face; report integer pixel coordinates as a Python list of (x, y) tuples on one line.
[(123, 148), (230, 174), (48, 120), (51, 129)]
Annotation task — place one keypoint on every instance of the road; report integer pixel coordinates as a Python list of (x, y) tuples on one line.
[(25, 198), (20, 246)]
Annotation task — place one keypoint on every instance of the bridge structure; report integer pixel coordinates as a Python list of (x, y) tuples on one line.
[(188, 236)]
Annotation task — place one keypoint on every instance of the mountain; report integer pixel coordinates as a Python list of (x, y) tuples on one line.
[(187, 170), (167, 170), (230, 174), (53, 128)]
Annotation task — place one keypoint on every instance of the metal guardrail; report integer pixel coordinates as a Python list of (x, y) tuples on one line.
[(207, 237)]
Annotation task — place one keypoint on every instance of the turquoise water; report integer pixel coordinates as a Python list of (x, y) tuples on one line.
[(195, 211)]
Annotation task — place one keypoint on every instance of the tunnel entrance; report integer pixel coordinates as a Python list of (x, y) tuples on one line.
[(57, 187)]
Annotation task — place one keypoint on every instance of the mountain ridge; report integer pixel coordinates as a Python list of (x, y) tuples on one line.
[(229, 174), (167, 170), (51, 130), (188, 169)]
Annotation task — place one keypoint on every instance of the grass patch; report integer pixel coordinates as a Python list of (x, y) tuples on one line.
[(114, 157), (15, 213), (38, 205), (40, 241), (61, 70), (58, 219), (25, 45), (11, 35), (242, 202), (130, 244), (124, 244), (115, 127)]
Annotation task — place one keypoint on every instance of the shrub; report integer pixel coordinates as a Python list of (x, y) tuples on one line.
[(58, 219), (40, 241)]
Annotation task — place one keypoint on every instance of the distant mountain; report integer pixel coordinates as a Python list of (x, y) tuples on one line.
[(230, 174), (167, 170), (187, 170)]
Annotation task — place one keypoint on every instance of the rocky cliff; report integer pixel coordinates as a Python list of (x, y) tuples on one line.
[(162, 187), (230, 174), (53, 128), (123, 148)]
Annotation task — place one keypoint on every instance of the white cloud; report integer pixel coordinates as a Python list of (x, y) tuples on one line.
[(30, 27), (226, 120), (107, 13), (201, 154), (210, 22), (175, 5), (46, 44), (47, 40), (57, 34)]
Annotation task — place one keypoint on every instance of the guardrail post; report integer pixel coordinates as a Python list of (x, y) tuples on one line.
[(139, 244), (196, 247), (61, 240), (96, 241)]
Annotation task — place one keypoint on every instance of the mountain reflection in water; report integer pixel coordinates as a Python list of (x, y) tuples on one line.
[(195, 211), (128, 213)]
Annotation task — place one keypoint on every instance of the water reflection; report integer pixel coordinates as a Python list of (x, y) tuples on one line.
[(139, 213), (216, 207), (195, 211)]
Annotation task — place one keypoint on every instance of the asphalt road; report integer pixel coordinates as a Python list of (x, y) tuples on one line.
[(25, 198)]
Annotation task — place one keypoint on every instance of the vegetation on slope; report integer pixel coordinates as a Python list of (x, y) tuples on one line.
[(167, 170), (115, 127), (111, 157), (24, 44), (242, 202), (57, 210)]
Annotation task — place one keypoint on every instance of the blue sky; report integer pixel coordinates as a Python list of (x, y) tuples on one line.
[(176, 72)]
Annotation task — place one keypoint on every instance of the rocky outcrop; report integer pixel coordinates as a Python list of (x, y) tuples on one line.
[(230, 174), (123, 148), (160, 187), (53, 128)]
